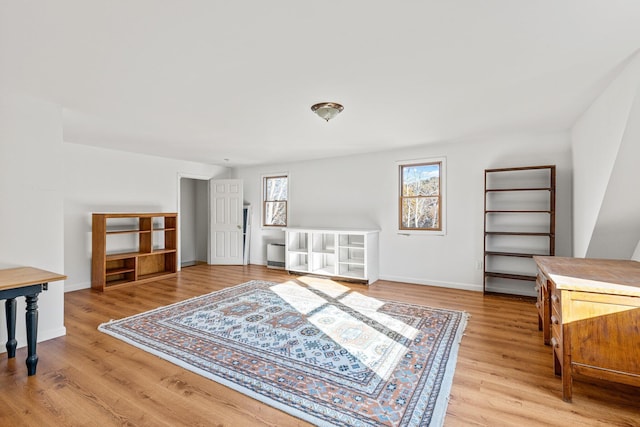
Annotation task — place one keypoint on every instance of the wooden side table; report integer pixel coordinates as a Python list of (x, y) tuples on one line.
[(27, 282)]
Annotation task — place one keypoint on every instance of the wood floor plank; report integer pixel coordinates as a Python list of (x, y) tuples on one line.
[(504, 375)]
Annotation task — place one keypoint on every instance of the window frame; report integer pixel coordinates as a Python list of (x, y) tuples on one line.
[(441, 161), (264, 200)]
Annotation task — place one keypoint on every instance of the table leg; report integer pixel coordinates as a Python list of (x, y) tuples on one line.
[(10, 312), (32, 333), (567, 369)]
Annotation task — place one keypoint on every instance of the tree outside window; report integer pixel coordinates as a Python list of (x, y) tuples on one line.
[(421, 196), (275, 197)]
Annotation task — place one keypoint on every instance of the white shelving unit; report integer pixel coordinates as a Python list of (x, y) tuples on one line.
[(297, 252), (342, 253)]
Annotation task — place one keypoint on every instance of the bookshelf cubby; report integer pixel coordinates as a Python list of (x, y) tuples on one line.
[(350, 254), (132, 248)]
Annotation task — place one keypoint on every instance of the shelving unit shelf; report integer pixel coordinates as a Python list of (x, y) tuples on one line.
[(519, 223), (350, 254), (132, 248)]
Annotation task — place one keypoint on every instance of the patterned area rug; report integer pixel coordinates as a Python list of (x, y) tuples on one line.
[(313, 348)]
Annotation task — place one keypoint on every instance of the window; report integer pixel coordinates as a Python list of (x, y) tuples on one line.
[(275, 193), (421, 201)]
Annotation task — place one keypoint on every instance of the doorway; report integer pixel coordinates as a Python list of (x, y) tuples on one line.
[(194, 221)]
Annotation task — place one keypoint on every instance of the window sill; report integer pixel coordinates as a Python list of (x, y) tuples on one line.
[(408, 233)]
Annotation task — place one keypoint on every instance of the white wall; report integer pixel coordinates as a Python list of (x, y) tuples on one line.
[(31, 221), (194, 214), (202, 219), (636, 253), (602, 136), (361, 191), (187, 221), (100, 180), (617, 230)]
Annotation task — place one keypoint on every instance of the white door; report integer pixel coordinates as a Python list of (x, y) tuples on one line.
[(226, 203)]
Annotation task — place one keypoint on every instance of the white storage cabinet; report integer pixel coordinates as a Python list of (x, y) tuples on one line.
[(341, 253)]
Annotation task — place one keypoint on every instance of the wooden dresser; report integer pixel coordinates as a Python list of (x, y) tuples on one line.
[(589, 311)]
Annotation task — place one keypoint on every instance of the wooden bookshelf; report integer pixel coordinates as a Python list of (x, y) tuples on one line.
[(132, 248), (519, 223)]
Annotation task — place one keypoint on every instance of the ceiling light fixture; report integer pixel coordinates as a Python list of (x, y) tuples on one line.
[(327, 110)]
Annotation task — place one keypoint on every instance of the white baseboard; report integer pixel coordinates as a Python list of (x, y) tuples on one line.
[(70, 287), (51, 334), (43, 335), (453, 285), (514, 290)]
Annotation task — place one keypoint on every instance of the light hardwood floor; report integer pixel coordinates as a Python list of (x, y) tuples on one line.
[(504, 374)]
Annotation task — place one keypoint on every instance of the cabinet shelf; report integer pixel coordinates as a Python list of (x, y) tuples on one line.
[(489, 190), (518, 211), (325, 271), (114, 271), (123, 255), (512, 276), (113, 284), (517, 233), (351, 275), (342, 253), (353, 246), (351, 263), (156, 252), (519, 223), (154, 255), (298, 251), (514, 254), (519, 168), (127, 231), (325, 251)]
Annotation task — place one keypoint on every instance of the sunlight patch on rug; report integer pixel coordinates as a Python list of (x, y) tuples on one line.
[(313, 348)]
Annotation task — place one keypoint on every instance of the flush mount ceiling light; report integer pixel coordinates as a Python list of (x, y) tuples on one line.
[(327, 110)]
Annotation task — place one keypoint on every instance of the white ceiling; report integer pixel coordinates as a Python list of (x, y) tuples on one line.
[(211, 80)]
